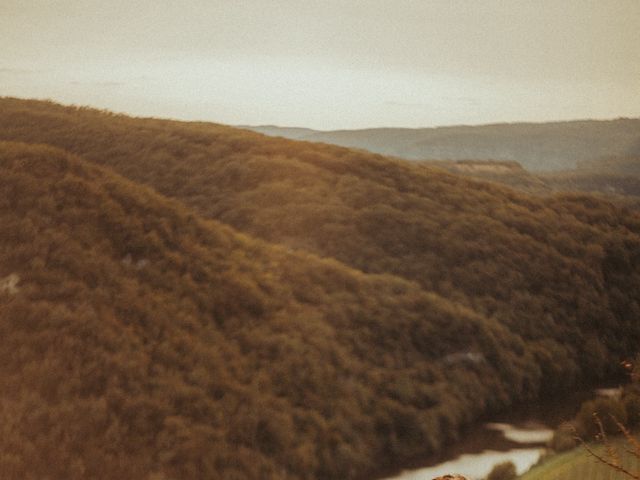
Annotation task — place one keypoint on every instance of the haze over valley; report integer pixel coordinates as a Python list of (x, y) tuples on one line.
[(536, 146)]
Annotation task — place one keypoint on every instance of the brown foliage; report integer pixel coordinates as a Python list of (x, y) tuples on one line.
[(173, 345)]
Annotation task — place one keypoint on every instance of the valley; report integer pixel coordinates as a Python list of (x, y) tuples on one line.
[(204, 302)]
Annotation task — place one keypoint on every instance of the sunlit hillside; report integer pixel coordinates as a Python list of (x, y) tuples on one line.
[(169, 304)]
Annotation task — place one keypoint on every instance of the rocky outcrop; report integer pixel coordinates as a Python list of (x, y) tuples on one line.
[(9, 284)]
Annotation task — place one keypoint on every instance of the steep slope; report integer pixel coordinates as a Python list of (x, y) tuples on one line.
[(555, 258), (537, 146), (553, 285), (142, 342)]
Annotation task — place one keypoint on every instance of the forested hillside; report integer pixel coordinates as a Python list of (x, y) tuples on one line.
[(537, 146), (617, 179), (196, 351), (618, 186), (617, 175), (139, 340)]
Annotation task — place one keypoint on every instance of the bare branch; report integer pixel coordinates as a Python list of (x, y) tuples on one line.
[(612, 453), (633, 441), (605, 461)]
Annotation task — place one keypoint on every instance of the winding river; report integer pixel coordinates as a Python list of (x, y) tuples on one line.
[(519, 437), (521, 444)]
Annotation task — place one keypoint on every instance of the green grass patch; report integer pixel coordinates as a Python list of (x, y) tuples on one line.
[(577, 464)]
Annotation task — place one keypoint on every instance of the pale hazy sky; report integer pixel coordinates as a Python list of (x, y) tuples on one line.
[(328, 64)]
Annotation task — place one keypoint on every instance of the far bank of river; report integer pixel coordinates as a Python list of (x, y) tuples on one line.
[(519, 436), (520, 444)]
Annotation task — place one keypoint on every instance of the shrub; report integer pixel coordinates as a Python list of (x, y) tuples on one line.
[(503, 471), (609, 410), (632, 409), (563, 439)]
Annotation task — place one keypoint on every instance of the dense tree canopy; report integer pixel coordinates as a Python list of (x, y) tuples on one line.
[(246, 307)]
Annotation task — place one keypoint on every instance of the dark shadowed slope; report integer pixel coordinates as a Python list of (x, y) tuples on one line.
[(537, 146), (451, 235), (553, 285), (141, 342)]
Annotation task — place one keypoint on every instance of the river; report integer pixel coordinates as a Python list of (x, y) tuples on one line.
[(521, 445), (519, 436)]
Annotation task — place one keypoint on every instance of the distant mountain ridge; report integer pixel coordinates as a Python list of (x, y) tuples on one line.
[(293, 133), (536, 146)]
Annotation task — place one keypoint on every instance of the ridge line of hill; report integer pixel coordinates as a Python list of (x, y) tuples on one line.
[(538, 146), (187, 350)]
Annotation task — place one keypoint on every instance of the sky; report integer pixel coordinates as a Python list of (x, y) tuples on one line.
[(328, 64)]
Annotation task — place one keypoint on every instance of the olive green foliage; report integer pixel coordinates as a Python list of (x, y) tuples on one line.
[(175, 316), (503, 471), (577, 464)]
